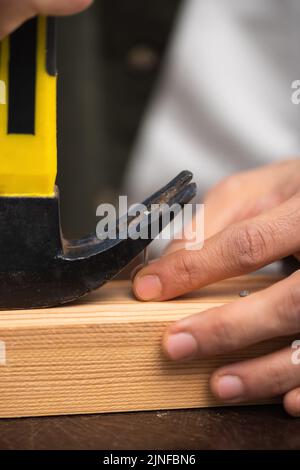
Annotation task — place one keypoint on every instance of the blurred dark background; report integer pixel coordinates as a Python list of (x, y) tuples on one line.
[(109, 60)]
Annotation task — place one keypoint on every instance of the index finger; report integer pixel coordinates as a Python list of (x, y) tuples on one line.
[(238, 249)]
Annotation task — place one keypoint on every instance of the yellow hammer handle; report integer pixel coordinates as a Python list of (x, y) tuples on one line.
[(28, 149)]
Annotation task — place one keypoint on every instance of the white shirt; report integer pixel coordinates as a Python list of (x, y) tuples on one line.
[(223, 103)]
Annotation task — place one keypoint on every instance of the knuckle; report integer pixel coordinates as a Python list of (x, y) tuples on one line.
[(288, 311), (249, 246), (276, 376), (223, 333), (293, 303), (186, 269)]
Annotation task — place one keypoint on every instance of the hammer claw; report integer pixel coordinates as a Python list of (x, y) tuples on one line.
[(39, 268)]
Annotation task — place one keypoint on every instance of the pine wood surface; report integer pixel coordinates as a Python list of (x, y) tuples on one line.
[(103, 354)]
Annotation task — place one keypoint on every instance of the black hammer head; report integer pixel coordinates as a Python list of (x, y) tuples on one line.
[(39, 268)]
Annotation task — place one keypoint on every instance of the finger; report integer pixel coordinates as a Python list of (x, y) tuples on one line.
[(291, 402), (238, 249), (270, 313), (241, 196), (221, 208), (227, 203), (265, 377), (250, 193), (14, 12), (218, 214)]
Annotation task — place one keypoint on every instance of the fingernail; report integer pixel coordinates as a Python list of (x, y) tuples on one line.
[(230, 387), (181, 346), (148, 287)]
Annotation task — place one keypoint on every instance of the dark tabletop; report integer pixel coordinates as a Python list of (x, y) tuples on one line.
[(263, 427)]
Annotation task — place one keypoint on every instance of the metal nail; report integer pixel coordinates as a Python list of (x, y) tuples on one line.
[(244, 293)]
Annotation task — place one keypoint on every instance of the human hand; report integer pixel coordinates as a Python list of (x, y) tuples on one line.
[(252, 219), (14, 12)]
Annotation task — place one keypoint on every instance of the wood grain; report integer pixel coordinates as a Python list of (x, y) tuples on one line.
[(104, 354)]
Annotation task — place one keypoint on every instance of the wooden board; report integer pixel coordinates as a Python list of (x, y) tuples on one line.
[(104, 354)]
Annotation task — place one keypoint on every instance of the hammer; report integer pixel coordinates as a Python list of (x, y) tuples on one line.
[(38, 266)]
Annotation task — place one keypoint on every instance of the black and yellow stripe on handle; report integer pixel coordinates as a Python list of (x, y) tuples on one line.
[(28, 150)]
